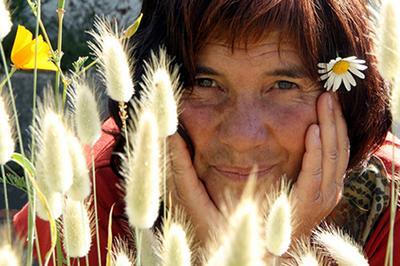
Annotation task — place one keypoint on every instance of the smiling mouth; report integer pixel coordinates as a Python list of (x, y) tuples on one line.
[(239, 174)]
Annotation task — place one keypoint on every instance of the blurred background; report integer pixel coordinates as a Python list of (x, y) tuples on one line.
[(78, 19)]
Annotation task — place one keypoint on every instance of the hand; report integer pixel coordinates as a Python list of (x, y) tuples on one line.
[(319, 186), (188, 192)]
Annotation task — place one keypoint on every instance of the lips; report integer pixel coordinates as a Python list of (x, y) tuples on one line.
[(241, 173)]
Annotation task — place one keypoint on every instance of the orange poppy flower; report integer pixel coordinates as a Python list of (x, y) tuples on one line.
[(23, 52)]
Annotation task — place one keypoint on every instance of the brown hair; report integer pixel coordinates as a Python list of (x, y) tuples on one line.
[(323, 30)]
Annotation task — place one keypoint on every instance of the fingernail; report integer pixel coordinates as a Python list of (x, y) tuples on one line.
[(330, 104)]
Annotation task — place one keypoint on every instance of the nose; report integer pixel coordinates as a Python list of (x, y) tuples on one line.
[(243, 127)]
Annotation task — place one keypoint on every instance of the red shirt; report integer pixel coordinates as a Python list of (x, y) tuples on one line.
[(108, 193)]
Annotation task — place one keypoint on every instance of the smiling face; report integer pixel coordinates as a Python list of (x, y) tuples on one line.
[(248, 107)]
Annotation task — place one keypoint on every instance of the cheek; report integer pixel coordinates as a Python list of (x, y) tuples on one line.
[(199, 124), (287, 125)]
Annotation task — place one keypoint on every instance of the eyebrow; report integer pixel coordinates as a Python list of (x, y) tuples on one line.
[(291, 71), (204, 70)]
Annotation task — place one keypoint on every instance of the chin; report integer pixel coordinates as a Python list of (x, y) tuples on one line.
[(225, 192)]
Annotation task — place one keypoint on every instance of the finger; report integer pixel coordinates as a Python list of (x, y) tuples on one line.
[(307, 186), (343, 142), (329, 141), (183, 179)]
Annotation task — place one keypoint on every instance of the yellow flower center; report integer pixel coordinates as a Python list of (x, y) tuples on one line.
[(341, 67)]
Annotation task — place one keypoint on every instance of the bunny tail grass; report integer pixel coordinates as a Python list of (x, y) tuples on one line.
[(176, 251), (162, 88), (143, 174), (114, 61), (388, 39), (54, 153), (80, 188), (77, 230), (242, 244), (87, 118), (121, 256), (278, 225), (340, 247)]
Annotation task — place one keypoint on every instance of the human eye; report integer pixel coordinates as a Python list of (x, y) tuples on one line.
[(285, 85), (205, 83), (207, 91)]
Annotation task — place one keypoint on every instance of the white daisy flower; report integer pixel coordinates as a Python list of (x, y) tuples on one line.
[(341, 70)]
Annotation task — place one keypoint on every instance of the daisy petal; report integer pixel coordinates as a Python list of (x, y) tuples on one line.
[(322, 65), (338, 81), (357, 73), (322, 71), (330, 81), (346, 83), (326, 86), (360, 67), (351, 79), (325, 76)]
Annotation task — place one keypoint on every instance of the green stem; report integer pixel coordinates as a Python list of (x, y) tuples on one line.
[(3, 174), (64, 95), (60, 13), (165, 177), (138, 239), (86, 68), (59, 250), (8, 76), (37, 244), (65, 244), (31, 192), (95, 208)]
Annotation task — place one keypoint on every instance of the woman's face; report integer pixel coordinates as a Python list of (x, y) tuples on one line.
[(249, 107)]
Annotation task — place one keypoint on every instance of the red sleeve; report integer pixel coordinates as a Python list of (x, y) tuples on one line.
[(375, 247)]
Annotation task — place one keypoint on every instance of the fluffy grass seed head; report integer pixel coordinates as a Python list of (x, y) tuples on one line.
[(308, 259), (76, 228), (7, 143), (114, 61), (388, 39), (303, 253), (176, 251), (142, 172), (81, 186), (121, 255), (54, 152), (10, 251), (278, 225), (54, 199), (162, 86), (340, 247), (8, 256), (5, 19), (87, 118), (242, 244)]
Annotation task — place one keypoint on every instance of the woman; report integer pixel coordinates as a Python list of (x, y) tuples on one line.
[(253, 95)]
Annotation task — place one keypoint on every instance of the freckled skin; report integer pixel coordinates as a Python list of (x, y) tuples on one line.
[(244, 118)]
